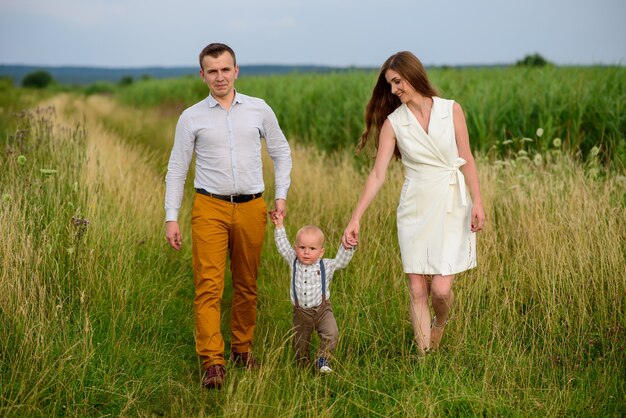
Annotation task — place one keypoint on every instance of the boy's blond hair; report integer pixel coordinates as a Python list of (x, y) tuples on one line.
[(307, 229)]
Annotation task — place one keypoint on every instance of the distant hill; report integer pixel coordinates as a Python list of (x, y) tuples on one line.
[(89, 75)]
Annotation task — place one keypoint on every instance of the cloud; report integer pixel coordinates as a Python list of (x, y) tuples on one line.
[(72, 12), (287, 22), (256, 24)]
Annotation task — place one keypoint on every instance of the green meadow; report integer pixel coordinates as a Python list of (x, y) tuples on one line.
[(96, 311)]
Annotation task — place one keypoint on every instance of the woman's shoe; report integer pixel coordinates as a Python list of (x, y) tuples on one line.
[(436, 333)]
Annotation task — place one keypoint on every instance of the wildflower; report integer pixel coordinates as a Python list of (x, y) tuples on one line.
[(556, 142), (522, 152), (527, 140), (70, 251), (507, 142), (47, 171), (538, 159), (539, 132), (78, 222), (21, 160), (594, 151), (81, 226)]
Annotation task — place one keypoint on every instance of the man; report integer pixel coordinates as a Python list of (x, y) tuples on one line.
[(228, 215)]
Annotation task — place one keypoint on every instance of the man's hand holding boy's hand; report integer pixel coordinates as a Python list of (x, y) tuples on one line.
[(277, 217)]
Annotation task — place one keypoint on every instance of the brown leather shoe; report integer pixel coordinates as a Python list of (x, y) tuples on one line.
[(214, 377), (246, 360)]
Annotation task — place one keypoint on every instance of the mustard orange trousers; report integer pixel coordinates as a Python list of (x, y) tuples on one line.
[(220, 229)]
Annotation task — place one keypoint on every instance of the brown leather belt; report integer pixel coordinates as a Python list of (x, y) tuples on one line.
[(232, 198)]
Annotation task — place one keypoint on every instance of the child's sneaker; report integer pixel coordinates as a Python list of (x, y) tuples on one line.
[(322, 365)]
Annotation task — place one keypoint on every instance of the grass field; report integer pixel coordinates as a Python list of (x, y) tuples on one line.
[(96, 311), (584, 106)]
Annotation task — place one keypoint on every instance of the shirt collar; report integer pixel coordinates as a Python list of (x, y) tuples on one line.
[(438, 111), (239, 98)]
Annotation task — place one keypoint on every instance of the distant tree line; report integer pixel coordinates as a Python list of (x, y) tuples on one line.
[(41, 79), (533, 60)]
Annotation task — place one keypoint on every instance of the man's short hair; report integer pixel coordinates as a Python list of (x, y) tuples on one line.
[(215, 50)]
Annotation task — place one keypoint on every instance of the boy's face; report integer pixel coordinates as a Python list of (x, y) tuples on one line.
[(309, 247)]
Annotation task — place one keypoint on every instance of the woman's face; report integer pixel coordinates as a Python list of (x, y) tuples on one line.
[(399, 86)]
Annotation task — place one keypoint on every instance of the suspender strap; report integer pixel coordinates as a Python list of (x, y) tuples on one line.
[(293, 281), (323, 271)]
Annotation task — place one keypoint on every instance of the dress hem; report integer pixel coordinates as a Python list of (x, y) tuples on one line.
[(442, 274)]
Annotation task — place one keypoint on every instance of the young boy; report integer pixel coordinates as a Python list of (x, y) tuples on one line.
[(310, 281)]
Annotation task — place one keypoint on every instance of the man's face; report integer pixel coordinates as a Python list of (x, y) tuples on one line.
[(219, 74)]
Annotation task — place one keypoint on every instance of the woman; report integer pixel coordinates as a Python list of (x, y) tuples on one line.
[(436, 219)]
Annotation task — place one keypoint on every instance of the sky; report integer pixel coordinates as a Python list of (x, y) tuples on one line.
[(339, 33)]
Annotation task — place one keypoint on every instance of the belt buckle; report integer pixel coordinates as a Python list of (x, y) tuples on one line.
[(232, 197)]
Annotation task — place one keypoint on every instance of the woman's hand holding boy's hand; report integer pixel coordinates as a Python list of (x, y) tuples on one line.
[(350, 236)]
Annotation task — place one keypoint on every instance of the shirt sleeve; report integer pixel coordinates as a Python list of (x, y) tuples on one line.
[(282, 244), (279, 151), (343, 257), (341, 260), (178, 166)]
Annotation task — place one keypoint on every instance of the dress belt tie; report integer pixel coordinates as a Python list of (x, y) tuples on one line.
[(457, 177)]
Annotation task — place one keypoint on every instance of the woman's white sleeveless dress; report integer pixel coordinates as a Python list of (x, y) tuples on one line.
[(434, 213)]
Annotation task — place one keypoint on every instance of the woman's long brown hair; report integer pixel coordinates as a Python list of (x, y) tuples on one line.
[(383, 102)]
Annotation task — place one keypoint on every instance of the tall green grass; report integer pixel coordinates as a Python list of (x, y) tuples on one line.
[(96, 310), (584, 106), (12, 102), (84, 276)]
